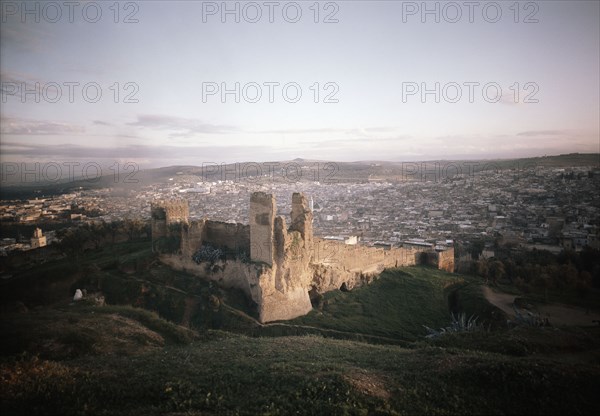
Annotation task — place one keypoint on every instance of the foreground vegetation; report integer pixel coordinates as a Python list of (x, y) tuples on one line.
[(155, 372), (401, 302), (366, 352)]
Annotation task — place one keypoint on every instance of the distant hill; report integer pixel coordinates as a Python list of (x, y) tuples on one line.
[(311, 170)]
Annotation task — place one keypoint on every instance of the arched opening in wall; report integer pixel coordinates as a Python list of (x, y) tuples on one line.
[(344, 287)]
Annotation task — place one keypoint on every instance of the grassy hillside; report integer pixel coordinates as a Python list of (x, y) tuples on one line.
[(57, 357), (400, 303), (224, 373)]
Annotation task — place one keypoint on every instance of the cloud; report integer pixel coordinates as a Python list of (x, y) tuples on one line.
[(160, 154), (22, 126), (179, 126), (102, 123), (23, 82), (358, 142), (533, 133), (327, 130), (24, 37)]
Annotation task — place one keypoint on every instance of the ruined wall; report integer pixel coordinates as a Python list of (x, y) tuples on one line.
[(285, 263), (233, 237), (262, 218), (191, 238), (158, 221), (164, 213), (228, 274), (335, 263), (285, 293), (446, 260), (355, 257), (443, 260), (166, 220), (302, 218)]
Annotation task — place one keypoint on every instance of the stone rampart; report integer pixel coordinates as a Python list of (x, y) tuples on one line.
[(277, 266)]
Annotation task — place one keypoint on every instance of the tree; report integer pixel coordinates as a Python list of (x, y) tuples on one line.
[(543, 281), (496, 271), (114, 228), (97, 232), (476, 249), (483, 269), (73, 240)]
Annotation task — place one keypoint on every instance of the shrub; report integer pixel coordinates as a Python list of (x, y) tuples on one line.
[(208, 253), (459, 323)]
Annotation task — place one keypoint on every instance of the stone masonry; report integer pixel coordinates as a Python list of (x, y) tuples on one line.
[(276, 266)]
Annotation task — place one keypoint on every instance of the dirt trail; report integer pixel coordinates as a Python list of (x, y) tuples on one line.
[(567, 315), (503, 301), (556, 313)]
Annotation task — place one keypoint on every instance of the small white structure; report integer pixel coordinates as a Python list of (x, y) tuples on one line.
[(352, 240), (78, 295)]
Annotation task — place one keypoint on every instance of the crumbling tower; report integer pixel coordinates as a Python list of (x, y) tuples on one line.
[(262, 220), (302, 218), (166, 213)]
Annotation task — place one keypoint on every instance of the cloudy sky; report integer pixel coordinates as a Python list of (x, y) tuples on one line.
[(161, 83)]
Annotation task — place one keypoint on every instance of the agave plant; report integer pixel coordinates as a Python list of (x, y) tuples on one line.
[(459, 323), (528, 318)]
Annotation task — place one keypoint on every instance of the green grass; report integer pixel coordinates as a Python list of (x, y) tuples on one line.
[(50, 282), (234, 374), (396, 305), (79, 329), (119, 360), (468, 298)]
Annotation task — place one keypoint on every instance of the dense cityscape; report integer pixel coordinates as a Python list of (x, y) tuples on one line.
[(545, 208)]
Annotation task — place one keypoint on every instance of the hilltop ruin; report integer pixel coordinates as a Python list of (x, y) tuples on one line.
[(277, 266)]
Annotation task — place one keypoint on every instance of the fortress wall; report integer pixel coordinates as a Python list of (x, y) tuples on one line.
[(354, 257), (159, 228), (176, 211), (191, 238), (302, 218), (286, 263), (164, 215), (228, 274), (262, 217), (430, 258), (284, 292), (446, 260), (278, 306), (336, 264), (233, 237)]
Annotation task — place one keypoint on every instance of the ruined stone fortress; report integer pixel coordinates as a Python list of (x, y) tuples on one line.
[(279, 267)]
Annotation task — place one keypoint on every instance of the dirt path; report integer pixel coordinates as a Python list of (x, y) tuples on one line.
[(559, 314), (504, 301), (556, 313)]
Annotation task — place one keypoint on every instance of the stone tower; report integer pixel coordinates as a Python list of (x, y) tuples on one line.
[(38, 239), (262, 220), (302, 218), (166, 213)]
